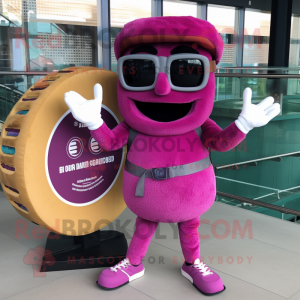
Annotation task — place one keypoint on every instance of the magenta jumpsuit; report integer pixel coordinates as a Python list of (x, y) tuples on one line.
[(179, 200)]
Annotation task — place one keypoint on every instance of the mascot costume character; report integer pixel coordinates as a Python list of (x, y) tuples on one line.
[(166, 92)]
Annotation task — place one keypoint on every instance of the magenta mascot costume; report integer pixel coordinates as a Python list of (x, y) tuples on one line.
[(166, 92)]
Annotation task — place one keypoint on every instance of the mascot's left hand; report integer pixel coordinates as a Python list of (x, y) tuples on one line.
[(256, 115)]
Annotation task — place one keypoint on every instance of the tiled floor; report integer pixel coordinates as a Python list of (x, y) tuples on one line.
[(261, 263)]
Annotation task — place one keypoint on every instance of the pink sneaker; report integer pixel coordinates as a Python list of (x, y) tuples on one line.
[(205, 280), (120, 274)]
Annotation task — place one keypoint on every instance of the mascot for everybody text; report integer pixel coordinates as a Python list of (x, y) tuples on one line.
[(166, 94)]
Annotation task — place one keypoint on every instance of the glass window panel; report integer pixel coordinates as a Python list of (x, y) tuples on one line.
[(223, 18), (60, 34), (122, 12), (3, 21), (11, 9), (256, 39), (180, 8), (295, 42)]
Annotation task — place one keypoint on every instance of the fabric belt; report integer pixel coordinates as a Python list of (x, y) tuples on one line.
[(164, 173)]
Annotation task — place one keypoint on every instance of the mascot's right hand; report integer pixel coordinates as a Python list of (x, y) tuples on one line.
[(86, 111)]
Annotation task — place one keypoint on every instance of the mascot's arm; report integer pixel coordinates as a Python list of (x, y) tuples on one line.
[(215, 138), (111, 140), (251, 116)]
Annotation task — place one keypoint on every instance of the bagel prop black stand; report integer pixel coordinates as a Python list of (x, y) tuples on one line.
[(55, 174), (95, 250)]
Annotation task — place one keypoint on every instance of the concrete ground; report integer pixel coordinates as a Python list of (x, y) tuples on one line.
[(258, 257)]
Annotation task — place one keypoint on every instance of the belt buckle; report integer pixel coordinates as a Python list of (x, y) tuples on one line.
[(159, 173)]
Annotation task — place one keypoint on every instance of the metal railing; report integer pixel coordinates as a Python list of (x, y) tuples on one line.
[(33, 73), (283, 210), (253, 75), (11, 90), (253, 162), (217, 74)]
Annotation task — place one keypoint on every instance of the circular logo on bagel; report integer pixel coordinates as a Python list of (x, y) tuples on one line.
[(94, 146), (75, 147), (78, 170)]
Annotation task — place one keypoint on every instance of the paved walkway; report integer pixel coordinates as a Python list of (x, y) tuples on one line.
[(261, 262)]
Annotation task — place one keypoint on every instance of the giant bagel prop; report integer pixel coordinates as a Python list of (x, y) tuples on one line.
[(52, 171)]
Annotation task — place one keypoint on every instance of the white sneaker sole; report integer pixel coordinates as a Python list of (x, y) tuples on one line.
[(136, 276), (130, 278), (187, 276)]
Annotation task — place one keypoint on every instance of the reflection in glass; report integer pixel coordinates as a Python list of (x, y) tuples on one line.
[(295, 43), (256, 38), (38, 35), (122, 12), (223, 18), (180, 8)]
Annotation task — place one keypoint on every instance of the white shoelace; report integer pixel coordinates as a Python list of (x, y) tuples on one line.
[(124, 263), (203, 268)]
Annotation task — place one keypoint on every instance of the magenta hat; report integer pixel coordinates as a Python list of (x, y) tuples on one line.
[(170, 29)]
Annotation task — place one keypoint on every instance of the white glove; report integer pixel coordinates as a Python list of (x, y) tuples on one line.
[(256, 115), (86, 111)]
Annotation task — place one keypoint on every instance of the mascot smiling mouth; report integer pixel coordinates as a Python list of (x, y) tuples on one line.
[(164, 112)]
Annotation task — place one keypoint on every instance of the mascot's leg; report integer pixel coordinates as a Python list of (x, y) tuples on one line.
[(204, 279), (141, 239), (131, 267), (189, 239)]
